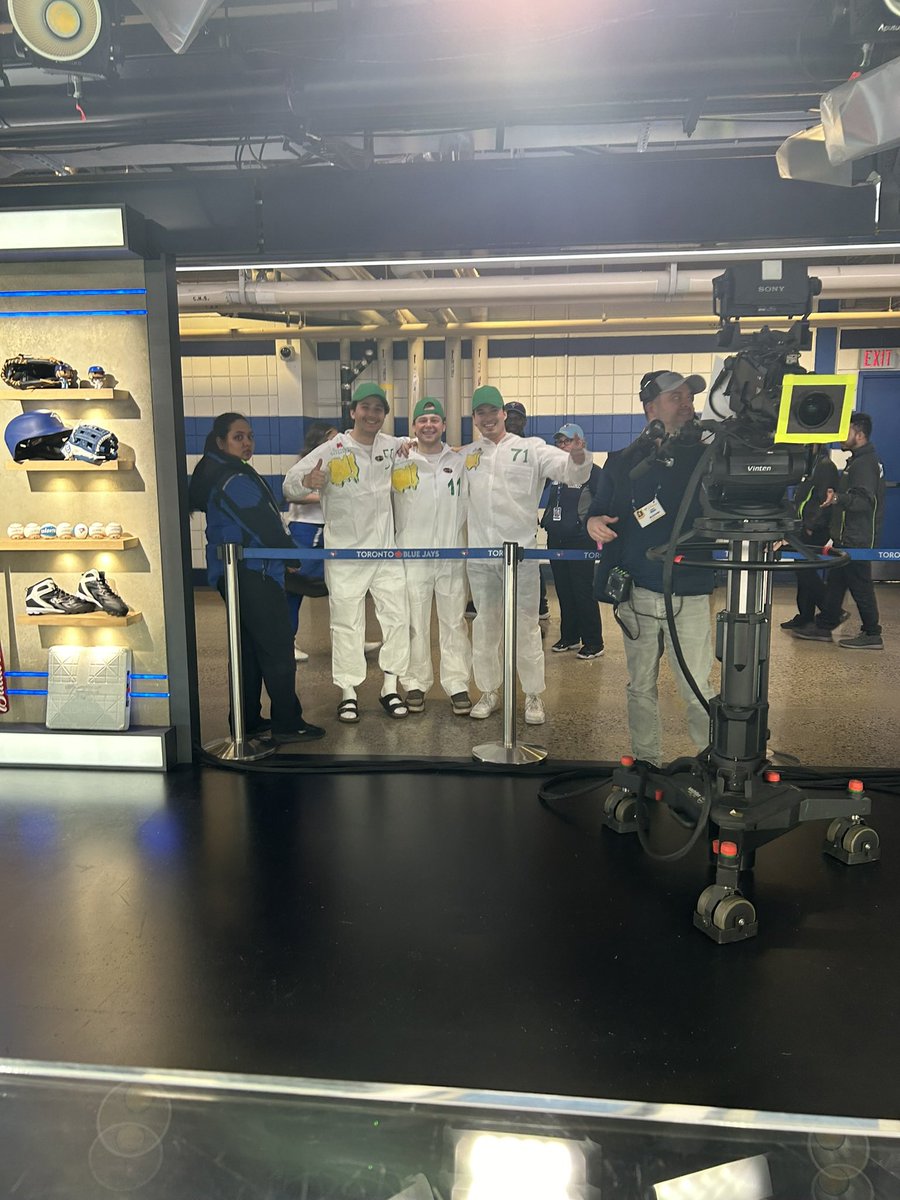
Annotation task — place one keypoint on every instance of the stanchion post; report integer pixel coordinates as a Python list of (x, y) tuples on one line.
[(507, 752), (237, 748)]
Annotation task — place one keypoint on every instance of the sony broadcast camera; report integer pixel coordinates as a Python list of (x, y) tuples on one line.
[(764, 409)]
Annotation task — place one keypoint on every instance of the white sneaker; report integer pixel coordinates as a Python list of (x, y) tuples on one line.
[(368, 647), (489, 703), (534, 710), (300, 655)]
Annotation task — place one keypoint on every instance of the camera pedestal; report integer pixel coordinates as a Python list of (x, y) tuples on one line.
[(732, 789)]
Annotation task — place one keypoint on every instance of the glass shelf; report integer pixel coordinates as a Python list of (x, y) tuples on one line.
[(173, 1134)]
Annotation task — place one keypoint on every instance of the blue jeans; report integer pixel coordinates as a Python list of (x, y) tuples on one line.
[(644, 616)]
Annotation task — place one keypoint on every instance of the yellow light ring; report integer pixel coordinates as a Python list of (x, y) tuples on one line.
[(59, 30)]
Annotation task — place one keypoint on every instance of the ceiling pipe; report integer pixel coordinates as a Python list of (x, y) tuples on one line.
[(875, 279), (210, 327)]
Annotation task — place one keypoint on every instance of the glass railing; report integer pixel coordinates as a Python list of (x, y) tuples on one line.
[(85, 1131)]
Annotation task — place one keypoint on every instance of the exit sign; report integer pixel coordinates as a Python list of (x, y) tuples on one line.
[(884, 359)]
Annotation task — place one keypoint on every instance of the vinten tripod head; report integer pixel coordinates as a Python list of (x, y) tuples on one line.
[(766, 418)]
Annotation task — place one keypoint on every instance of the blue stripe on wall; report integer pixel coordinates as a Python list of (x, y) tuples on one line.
[(274, 435), (284, 435)]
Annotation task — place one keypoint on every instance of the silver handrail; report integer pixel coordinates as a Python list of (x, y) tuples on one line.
[(237, 748)]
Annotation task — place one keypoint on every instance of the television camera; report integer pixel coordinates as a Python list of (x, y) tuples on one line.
[(766, 415)]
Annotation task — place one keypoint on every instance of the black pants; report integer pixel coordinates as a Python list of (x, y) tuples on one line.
[(579, 612), (267, 652), (857, 576), (810, 584)]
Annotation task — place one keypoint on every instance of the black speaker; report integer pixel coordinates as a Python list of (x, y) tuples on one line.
[(71, 36)]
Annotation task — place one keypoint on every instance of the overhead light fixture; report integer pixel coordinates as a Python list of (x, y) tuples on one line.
[(62, 35), (505, 1166), (578, 258)]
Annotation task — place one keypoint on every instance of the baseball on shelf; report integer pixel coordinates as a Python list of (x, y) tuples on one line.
[(97, 530), (32, 530), (114, 530), (80, 530), (48, 530), (64, 530), (16, 530)]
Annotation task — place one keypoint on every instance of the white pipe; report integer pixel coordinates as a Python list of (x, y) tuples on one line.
[(453, 389), (854, 280), (415, 374), (385, 362)]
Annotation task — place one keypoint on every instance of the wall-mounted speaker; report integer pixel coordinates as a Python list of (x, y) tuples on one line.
[(63, 35)]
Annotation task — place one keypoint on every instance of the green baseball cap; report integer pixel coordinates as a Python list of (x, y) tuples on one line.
[(365, 390), (486, 394), (428, 407)]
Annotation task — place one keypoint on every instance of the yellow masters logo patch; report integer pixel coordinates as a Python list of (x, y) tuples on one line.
[(405, 478), (472, 460), (343, 469)]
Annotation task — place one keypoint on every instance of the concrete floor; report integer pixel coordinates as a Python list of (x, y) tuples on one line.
[(828, 707)]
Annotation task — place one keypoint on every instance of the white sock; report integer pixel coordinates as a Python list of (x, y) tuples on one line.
[(390, 685), (348, 693)]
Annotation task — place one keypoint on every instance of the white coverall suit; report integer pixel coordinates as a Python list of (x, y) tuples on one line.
[(429, 513), (356, 501), (505, 483)]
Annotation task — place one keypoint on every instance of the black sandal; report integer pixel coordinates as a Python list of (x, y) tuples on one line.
[(393, 706), (348, 712)]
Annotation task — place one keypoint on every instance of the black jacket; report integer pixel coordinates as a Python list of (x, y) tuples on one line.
[(568, 533), (810, 495), (859, 509), (618, 496)]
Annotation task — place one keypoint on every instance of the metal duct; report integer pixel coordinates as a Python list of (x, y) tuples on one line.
[(877, 279), (862, 116)]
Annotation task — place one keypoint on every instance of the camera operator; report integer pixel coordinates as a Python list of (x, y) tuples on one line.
[(810, 496), (857, 509), (633, 511)]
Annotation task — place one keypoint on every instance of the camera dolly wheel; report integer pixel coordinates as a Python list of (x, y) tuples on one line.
[(852, 842), (620, 810), (724, 915)]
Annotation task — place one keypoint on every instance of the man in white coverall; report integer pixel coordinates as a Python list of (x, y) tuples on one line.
[(352, 473), (505, 476), (430, 513)]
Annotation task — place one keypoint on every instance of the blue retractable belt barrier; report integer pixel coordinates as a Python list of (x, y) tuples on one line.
[(543, 554)]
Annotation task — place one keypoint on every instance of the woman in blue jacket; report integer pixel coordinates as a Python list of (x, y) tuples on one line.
[(240, 508)]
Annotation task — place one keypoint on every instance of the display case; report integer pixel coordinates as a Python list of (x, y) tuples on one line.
[(94, 294), (167, 1135)]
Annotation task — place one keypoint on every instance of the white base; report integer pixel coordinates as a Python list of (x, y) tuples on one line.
[(137, 749)]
